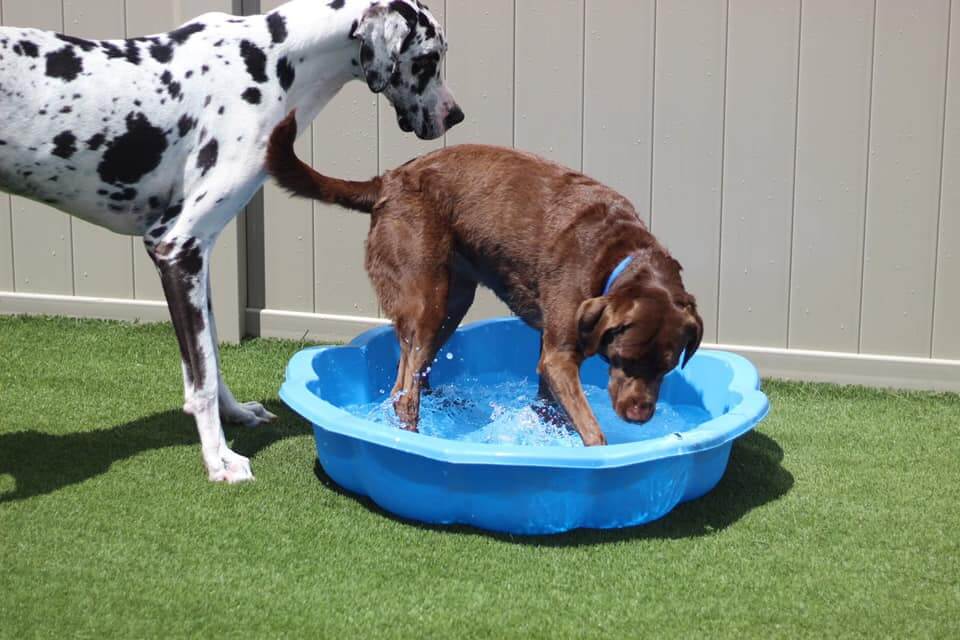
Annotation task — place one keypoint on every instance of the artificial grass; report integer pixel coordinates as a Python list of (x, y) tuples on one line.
[(837, 517)]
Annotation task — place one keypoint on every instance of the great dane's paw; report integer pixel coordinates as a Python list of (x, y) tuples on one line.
[(247, 414), (235, 469)]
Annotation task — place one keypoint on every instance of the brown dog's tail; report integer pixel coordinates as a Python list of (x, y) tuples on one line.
[(302, 180)]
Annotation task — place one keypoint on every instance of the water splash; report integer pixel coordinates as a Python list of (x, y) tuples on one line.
[(507, 411)]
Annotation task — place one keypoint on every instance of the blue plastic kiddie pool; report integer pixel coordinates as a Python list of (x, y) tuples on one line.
[(479, 474)]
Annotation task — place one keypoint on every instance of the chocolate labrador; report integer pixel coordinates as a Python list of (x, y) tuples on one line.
[(568, 255)]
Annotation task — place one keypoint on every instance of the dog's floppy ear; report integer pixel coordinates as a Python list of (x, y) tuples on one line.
[(593, 320), (381, 33), (693, 334)]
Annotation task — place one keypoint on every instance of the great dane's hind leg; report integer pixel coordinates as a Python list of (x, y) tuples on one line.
[(184, 263), (247, 414)]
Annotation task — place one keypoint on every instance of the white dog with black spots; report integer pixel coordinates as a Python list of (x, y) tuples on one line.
[(164, 137)]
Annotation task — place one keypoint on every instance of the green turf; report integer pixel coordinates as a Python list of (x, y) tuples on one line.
[(838, 517)]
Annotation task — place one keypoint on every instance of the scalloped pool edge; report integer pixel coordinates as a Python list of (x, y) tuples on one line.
[(450, 482)]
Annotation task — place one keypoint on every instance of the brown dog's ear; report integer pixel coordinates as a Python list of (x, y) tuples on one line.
[(693, 334), (593, 320)]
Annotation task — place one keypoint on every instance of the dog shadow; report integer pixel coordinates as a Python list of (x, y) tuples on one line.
[(754, 477), (42, 463)]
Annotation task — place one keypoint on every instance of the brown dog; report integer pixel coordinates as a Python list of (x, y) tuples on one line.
[(544, 238)]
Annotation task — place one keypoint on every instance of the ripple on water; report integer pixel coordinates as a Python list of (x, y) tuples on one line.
[(508, 412)]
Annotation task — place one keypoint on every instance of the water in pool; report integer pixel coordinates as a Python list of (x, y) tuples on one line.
[(506, 412)]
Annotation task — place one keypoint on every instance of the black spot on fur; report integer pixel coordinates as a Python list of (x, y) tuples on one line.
[(172, 87), (252, 95), (185, 125), (86, 45), (66, 109), (285, 73), (366, 54), (171, 213), (430, 31), (207, 158), (162, 53), (159, 231), (96, 141), (65, 145), (190, 258), (336, 4), (409, 13), (64, 64), (278, 27), (134, 154), (26, 48), (127, 194), (182, 34), (132, 53), (425, 69), (255, 59)]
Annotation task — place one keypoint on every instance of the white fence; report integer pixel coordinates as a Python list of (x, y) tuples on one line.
[(800, 158)]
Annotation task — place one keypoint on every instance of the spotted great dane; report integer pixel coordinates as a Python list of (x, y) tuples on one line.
[(164, 137)]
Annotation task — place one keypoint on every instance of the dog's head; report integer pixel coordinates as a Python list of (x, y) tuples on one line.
[(641, 331), (401, 50)]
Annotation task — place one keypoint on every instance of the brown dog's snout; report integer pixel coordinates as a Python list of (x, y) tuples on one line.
[(640, 411)]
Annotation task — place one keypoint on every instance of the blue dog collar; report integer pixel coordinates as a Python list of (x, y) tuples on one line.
[(617, 273)]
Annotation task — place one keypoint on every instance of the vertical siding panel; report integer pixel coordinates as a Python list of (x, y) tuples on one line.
[(481, 36), (345, 146), (618, 96), (44, 263), (288, 237), (688, 143), (102, 260), (253, 221), (549, 79), (6, 245), (396, 146), (759, 154), (903, 190), (145, 17), (6, 237), (946, 327), (185, 10), (836, 49)]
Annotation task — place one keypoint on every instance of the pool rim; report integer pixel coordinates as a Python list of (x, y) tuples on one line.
[(716, 432)]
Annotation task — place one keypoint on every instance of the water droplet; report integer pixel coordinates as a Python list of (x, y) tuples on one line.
[(449, 356)]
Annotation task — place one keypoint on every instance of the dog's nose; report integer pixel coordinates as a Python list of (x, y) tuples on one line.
[(640, 412), (453, 118)]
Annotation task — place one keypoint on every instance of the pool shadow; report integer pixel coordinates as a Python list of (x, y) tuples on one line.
[(754, 477), (42, 463)]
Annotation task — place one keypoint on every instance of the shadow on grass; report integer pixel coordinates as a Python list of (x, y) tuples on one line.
[(754, 477), (42, 463)]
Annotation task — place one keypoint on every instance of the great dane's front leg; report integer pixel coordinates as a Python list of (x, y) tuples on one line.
[(248, 414), (184, 264)]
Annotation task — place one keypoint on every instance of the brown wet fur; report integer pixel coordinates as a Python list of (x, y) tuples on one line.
[(544, 238)]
